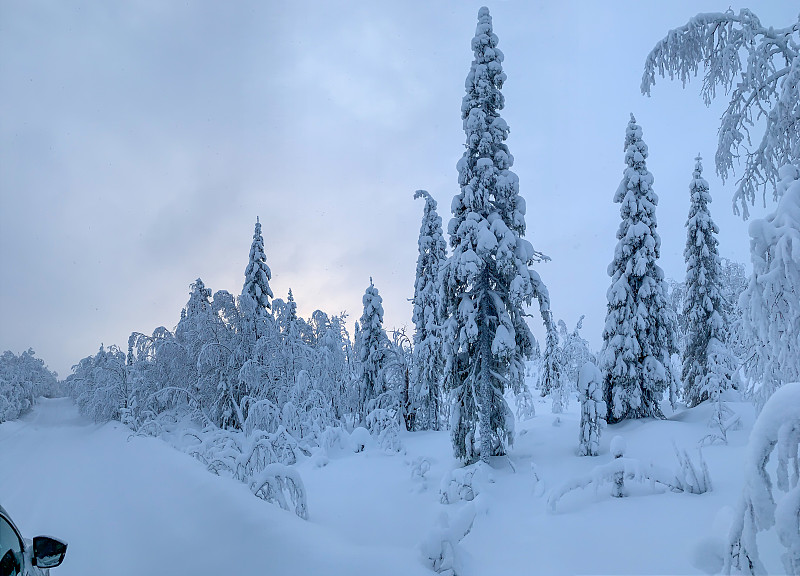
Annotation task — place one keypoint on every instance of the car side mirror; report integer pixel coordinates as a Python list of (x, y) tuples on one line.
[(48, 552)]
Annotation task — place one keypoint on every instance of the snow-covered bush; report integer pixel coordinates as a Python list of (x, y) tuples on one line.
[(262, 460), (360, 439), (440, 549), (384, 427), (420, 467), (281, 485), (593, 409), (464, 483), (690, 477), (776, 436), (334, 437)]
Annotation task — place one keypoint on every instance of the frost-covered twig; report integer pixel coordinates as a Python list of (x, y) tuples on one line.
[(692, 478)]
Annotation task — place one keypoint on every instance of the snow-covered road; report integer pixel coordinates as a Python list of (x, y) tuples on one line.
[(133, 505)]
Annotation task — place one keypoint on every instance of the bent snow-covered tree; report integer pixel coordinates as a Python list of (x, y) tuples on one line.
[(639, 334), (758, 68), (775, 437), (708, 366), (771, 301), (487, 279), (428, 317)]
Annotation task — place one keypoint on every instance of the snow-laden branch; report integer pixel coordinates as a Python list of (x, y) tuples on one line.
[(759, 67)]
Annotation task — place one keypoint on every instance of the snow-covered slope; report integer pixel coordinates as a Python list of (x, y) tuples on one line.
[(134, 505)]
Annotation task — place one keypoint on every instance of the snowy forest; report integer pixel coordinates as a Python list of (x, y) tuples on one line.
[(693, 396)]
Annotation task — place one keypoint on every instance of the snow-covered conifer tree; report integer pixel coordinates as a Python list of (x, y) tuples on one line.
[(703, 305), (428, 318), (372, 345), (639, 335), (771, 302), (254, 332), (593, 409), (487, 279), (257, 274), (551, 377)]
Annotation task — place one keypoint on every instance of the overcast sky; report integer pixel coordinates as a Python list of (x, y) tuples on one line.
[(140, 140)]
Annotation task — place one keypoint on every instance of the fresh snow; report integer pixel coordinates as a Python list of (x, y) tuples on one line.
[(129, 504)]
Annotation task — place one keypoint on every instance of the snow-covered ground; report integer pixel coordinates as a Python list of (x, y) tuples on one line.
[(134, 505)]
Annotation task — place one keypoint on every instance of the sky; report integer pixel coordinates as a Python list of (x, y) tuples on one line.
[(139, 141)]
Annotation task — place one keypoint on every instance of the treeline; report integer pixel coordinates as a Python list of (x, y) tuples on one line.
[(23, 378)]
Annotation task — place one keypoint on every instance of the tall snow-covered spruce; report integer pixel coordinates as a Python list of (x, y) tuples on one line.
[(257, 274), (428, 317), (707, 364), (372, 345), (487, 279), (639, 334)]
